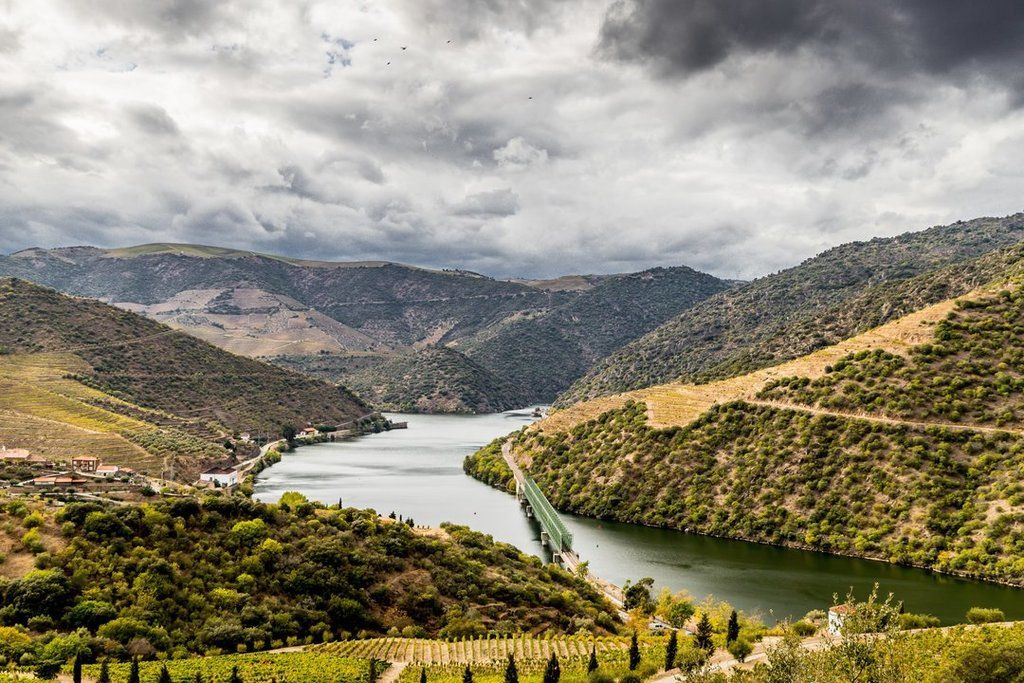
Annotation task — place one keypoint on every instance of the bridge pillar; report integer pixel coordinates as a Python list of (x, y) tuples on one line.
[(529, 511), (557, 559), (545, 539)]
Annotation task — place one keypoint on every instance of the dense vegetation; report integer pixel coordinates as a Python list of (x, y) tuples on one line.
[(435, 379), (973, 373), (229, 574), (287, 667), (935, 497), (825, 299), (149, 365), (546, 351), (489, 466)]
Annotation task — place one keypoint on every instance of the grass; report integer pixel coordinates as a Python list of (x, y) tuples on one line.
[(284, 667)]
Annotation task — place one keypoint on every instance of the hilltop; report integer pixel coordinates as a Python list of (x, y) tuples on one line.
[(537, 335), (828, 298), (904, 443), (79, 376)]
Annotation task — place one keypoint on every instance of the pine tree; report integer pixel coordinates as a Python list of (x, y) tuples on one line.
[(634, 653), (76, 670), (104, 676), (592, 664), (235, 678), (552, 672), (371, 674), (165, 675), (733, 629), (670, 651), (133, 673), (511, 674), (467, 675), (702, 638), (423, 675)]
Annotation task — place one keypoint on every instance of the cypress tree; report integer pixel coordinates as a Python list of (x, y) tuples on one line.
[(670, 651), (552, 672), (423, 675), (733, 629), (199, 677), (76, 670), (634, 653), (104, 676), (235, 678), (702, 638), (592, 664), (165, 675), (467, 675), (511, 674), (371, 674), (133, 673)]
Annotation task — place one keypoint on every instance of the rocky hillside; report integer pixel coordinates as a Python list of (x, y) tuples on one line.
[(539, 335), (435, 379), (830, 297), (910, 454), (108, 381)]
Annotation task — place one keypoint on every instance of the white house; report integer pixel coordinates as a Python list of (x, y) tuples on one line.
[(107, 471), (837, 617), (220, 476)]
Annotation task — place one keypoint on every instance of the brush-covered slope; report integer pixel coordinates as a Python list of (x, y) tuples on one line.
[(144, 390), (907, 454), (435, 379), (193, 575), (548, 350), (830, 297)]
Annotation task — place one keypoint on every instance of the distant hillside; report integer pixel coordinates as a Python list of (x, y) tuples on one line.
[(539, 335), (903, 444), (548, 350), (435, 379), (793, 312), (114, 383)]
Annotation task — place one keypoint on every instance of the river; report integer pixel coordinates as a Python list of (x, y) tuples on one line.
[(417, 472)]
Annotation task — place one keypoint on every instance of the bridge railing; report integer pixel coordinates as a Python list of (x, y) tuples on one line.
[(561, 538)]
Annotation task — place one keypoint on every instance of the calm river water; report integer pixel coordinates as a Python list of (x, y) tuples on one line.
[(417, 472)]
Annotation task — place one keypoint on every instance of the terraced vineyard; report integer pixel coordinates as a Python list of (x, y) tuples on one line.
[(285, 667), (481, 650)]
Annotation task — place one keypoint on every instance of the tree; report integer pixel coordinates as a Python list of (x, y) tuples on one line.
[(76, 669), (511, 674), (732, 631), (235, 678), (638, 595), (371, 674), (104, 676), (467, 675), (165, 675), (133, 673), (423, 675), (199, 677), (552, 672), (634, 653), (702, 638), (592, 664), (670, 651), (288, 433), (740, 648)]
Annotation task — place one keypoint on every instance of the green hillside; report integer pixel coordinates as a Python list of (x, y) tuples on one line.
[(116, 384), (914, 459), (825, 299), (435, 379)]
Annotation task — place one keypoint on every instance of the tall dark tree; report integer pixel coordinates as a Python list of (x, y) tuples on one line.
[(552, 672), (634, 653), (165, 675), (133, 673), (732, 631), (592, 664), (671, 649), (511, 673), (423, 675), (371, 673), (104, 676), (467, 675), (702, 638), (199, 678), (76, 669), (235, 677)]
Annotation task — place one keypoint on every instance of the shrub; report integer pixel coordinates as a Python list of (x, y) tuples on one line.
[(985, 615)]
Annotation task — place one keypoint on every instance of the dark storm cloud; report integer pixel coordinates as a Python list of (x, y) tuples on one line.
[(936, 37)]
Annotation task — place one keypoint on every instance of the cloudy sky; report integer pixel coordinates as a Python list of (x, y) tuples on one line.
[(512, 137)]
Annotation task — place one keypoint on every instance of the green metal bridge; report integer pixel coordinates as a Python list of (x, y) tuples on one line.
[(553, 530)]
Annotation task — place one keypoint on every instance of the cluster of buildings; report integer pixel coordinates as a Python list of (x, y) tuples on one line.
[(84, 469)]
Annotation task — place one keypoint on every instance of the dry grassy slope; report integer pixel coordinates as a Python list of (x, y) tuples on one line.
[(679, 404)]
